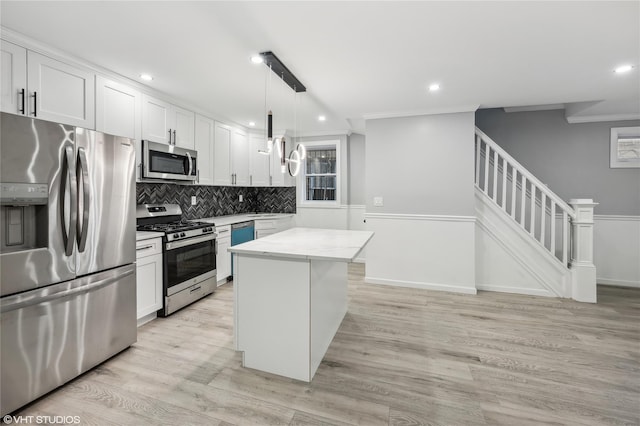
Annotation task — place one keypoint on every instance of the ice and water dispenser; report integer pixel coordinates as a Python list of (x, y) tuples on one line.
[(23, 216)]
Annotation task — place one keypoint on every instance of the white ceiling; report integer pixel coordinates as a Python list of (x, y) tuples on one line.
[(357, 59)]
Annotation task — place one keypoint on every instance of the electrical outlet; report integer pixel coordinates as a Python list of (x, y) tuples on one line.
[(377, 201), (240, 198), (194, 200)]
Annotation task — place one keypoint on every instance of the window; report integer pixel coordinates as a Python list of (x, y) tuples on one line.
[(625, 147), (320, 180)]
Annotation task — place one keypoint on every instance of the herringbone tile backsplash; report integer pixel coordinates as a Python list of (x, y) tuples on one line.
[(218, 200)]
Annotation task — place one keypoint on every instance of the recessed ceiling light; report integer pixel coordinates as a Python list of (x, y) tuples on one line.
[(252, 123), (322, 118), (146, 77), (257, 59), (434, 87), (623, 68)]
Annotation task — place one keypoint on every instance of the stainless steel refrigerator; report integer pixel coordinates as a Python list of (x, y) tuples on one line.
[(67, 253)]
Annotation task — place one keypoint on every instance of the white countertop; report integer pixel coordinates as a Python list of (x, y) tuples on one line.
[(308, 243), (147, 235), (237, 218)]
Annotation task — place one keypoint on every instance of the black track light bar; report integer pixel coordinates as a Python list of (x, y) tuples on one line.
[(281, 70)]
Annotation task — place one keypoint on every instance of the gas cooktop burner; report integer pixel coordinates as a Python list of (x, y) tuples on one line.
[(167, 218), (173, 226)]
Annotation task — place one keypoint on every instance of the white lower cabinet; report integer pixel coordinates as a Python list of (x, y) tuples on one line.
[(266, 227), (223, 259), (148, 278)]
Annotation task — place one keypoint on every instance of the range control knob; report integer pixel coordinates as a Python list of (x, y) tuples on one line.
[(176, 235), (183, 234)]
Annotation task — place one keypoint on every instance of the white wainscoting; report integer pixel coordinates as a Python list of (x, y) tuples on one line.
[(356, 222), (422, 251), (341, 217), (616, 249), (509, 260), (322, 217)]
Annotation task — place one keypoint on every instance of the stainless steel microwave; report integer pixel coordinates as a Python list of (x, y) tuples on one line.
[(161, 161)]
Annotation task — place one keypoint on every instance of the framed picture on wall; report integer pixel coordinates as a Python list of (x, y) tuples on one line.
[(625, 147)]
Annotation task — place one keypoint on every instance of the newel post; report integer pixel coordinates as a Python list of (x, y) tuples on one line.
[(583, 271)]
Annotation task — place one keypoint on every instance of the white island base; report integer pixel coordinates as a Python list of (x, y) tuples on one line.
[(289, 301)]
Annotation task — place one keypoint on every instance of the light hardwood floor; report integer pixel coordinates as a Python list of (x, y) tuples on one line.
[(401, 357)]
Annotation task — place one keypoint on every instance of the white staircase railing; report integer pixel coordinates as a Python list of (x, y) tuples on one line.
[(529, 202)]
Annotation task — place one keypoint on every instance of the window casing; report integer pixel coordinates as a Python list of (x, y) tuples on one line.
[(320, 177)]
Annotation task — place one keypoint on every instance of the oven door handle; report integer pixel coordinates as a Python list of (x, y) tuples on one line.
[(190, 241)]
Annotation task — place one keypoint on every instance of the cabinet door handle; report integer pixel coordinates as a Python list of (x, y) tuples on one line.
[(250, 180), (169, 136), (22, 109), (223, 231), (174, 136), (35, 104)]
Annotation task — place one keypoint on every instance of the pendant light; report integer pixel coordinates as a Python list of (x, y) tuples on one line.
[(267, 86), (295, 157)]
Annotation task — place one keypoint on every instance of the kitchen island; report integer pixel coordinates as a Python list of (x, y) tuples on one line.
[(290, 296)]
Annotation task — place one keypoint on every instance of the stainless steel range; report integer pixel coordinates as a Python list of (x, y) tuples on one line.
[(189, 254)]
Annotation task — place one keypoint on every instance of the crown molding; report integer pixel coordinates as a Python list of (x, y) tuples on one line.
[(604, 117), (37, 46), (338, 132), (414, 113), (533, 108)]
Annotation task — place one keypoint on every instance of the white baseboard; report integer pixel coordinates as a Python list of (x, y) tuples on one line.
[(516, 290), (424, 286), (145, 319), (619, 283)]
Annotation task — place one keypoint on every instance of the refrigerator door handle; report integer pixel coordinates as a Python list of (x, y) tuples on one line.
[(82, 175), (68, 232), (9, 304)]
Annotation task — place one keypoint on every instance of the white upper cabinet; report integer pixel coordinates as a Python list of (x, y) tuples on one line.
[(118, 112), (13, 78), (204, 144), (231, 156), (117, 109), (157, 120), (258, 163), (222, 155), (184, 123), (60, 92), (240, 158), (38, 86), (166, 123)]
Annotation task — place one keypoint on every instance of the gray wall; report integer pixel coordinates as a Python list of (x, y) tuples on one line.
[(572, 159), (356, 169), (421, 165)]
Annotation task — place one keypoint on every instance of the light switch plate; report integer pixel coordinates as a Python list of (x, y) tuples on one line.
[(377, 201), (194, 200), (240, 198)]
